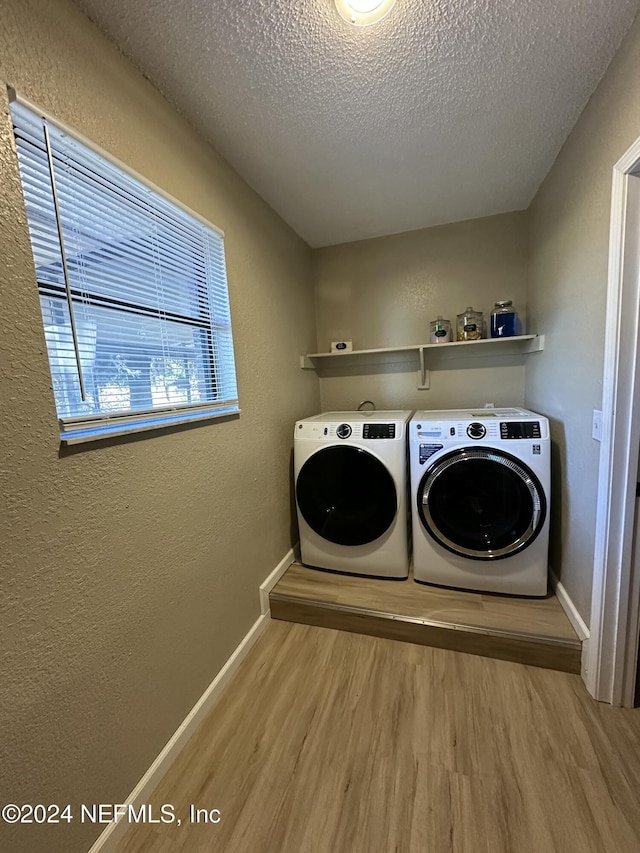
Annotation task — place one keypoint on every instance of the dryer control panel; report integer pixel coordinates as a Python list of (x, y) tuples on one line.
[(349, 430), (379, 431)]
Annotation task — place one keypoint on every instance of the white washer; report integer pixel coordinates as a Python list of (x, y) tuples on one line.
[(480, 493), (351, 482)]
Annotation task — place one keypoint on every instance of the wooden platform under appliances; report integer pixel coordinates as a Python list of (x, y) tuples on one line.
[(532, 631)]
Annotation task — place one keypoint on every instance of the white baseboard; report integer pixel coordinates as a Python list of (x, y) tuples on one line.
[(579, 625), (110, 839), (269, 582)]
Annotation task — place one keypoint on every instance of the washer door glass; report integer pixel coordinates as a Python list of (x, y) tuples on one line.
[(481, 503), (346, 495)]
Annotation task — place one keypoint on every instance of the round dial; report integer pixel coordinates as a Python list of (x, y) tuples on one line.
[(343, 431), (476, 430)]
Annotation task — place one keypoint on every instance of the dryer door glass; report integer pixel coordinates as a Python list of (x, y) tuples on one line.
[(481, 503), (346, 495)]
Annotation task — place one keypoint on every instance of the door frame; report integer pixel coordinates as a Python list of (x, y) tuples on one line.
[(610, 656)]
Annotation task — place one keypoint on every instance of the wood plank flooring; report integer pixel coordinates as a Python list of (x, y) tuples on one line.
[(332, 742), (534, 631)]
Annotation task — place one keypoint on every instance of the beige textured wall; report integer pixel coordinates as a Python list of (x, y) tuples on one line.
[(567, 294), (130, 571), (384, 292)]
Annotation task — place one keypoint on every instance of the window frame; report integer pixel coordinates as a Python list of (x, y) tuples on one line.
[(92, 427)]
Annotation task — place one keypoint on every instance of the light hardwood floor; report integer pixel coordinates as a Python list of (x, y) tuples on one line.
[(332, 742)]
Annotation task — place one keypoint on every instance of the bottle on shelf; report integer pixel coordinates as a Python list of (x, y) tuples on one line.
[(504, 320), (440, 331), (470, 325)]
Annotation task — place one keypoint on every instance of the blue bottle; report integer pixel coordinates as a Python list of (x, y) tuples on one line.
[(504, 320)]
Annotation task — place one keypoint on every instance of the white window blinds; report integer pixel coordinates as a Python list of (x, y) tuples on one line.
[(133, 291)]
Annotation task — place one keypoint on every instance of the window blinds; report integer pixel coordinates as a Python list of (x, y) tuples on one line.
[(133, 291)]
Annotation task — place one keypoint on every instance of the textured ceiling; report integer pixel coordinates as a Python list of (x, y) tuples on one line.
[(446, 110)]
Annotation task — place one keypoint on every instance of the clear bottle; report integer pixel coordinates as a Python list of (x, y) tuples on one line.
[(504, 320), (440, 331), (470, 325)]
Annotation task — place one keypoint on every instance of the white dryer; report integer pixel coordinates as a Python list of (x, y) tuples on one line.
[(351, 484), (480, 493)]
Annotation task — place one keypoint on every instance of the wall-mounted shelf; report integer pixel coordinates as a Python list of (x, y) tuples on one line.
[(519, 345)]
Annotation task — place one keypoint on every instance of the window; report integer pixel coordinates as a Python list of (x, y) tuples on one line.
[(133, 291)]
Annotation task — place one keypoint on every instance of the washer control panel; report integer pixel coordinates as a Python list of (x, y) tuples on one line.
[(520, 429), (477, 430)]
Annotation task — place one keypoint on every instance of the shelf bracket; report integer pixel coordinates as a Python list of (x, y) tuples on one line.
[(423, 373)]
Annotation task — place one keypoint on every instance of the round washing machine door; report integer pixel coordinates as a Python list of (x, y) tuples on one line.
[(481, 503), (346, 495)]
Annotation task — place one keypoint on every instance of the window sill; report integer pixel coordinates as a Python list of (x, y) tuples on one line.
[(95, 430)]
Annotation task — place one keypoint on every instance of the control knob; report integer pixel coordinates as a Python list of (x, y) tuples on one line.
[(476, 430), (343, 431)]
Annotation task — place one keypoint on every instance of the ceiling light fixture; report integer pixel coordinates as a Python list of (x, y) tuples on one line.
[(364, 12)]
